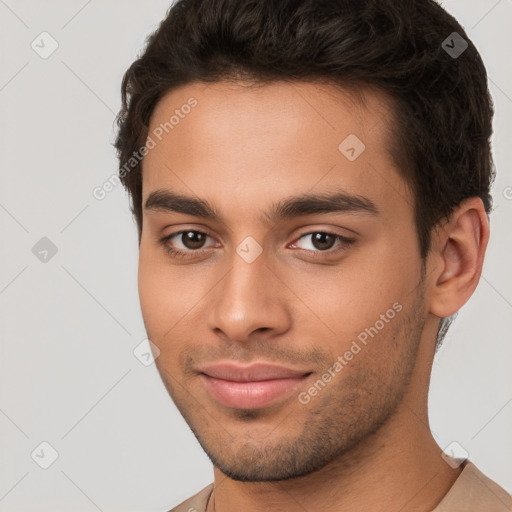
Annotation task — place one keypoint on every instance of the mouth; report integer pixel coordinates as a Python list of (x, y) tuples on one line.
[(250, 387)]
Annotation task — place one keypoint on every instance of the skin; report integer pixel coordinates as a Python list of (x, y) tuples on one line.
[(363, 442)]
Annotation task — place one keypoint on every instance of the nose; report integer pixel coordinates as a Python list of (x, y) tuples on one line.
[(248, 301)]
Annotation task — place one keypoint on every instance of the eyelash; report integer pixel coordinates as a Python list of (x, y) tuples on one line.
[(178, 253)]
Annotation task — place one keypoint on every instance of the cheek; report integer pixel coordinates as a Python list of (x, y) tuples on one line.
[(156, 294), (168, 294), (351, 297)]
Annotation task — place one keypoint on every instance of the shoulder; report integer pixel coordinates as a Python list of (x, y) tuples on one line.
[(196, 503), (475, 491)]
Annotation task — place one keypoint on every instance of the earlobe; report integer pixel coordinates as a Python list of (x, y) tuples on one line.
[(460, 245)]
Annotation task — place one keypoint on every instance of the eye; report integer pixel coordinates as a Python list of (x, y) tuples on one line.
[(322, 241), (189, 243)]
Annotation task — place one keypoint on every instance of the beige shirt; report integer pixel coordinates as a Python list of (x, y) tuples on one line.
[(471, 492)]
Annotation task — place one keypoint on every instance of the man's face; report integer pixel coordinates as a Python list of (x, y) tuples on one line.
[(253, 287)]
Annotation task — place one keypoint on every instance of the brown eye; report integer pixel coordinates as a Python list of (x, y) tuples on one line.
[(321, 244), (193, 239), (323, 241), (186, 244)]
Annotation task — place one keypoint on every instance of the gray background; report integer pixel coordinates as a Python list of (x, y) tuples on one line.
[(69, 325)]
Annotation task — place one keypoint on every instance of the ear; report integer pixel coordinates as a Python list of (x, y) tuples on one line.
[(456, 257)]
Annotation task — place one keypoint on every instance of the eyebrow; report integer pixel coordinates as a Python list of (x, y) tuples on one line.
[(295, 206)]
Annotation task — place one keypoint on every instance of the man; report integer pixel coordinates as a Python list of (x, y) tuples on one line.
[(310, 181)]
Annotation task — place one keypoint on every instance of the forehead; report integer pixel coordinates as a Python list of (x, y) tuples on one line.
[(239, 144)]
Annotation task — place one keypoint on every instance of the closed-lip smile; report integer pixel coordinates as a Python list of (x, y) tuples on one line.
[(250, 386)]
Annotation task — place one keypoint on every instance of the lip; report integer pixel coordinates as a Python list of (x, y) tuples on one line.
[(254, 372), (250, 387)]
